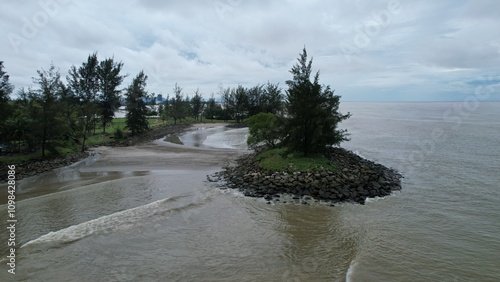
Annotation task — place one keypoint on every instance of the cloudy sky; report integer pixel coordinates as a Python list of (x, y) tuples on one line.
[(387, 50)]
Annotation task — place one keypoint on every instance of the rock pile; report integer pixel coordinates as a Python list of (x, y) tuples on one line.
[(37, 166), (353, 180)]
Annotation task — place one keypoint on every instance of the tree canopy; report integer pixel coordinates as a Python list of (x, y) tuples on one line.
[(177, 105), (46, 110), (264, 128), (312, 115), (110, 79), (6, 89), (136, 106)]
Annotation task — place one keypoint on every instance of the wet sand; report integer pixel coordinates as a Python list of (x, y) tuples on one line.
[(161, 155), (110, 163)]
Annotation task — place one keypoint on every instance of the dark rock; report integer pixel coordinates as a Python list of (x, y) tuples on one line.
[(354, 180)]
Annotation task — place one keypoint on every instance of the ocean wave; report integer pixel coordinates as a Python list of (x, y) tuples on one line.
[(350, 270), (121, 220)]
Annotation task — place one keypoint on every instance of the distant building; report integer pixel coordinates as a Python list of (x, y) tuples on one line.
[(123, 101)]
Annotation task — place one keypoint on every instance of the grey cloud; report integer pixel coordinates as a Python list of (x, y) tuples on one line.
[(204, 43)]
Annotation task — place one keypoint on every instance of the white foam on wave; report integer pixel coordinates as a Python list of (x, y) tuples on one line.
[(359, 154), (373, 200), (109, 223), (234, 192), (350, 270)]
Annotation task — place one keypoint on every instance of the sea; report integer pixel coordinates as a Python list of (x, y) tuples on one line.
[(148, 213)]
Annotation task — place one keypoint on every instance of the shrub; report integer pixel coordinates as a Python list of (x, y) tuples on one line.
[(264, 128), (118, 134)]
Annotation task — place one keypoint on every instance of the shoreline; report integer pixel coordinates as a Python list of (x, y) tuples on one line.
[(39, 166), (355, 179)]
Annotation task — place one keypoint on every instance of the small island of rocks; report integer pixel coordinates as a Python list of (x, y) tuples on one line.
[(297, 150), (351, 178)]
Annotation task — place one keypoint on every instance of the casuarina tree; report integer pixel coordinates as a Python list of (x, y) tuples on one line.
[(177, 105), (5, 91), (84, 84), (197, 104), (312, 115), (137, 121), (46, 107), (110, 79)]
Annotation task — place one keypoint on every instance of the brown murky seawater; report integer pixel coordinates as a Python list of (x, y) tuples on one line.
[(147, 213)]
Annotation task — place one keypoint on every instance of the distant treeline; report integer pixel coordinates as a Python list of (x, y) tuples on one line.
[(55, 112), (67, 114)]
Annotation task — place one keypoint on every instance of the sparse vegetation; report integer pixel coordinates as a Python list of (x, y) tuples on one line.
[(279, 160)]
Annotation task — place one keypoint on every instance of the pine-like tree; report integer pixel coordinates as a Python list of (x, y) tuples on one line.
[(84, 84), (177, 105), (239, 100), (227, 102), (110, 79), (312, 112), (46, 105), (197, 104), (136, 106), (23, 124), (6, 89), (211, 108), (272, 99)]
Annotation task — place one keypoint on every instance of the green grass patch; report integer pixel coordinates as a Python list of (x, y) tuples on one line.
[(154, 122), (54, 149), (97, 139), (278, 160), (119, 120)]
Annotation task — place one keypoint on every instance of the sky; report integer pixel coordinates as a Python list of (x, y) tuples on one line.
[(387, 50)]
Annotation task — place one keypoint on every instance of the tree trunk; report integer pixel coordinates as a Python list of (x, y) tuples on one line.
[(306, 142), (44, 140), (83, 142), (43, 147)]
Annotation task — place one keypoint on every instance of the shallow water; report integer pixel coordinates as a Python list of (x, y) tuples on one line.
[(148, 213)]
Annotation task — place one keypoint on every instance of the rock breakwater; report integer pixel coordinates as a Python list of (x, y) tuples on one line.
[(354, 179)]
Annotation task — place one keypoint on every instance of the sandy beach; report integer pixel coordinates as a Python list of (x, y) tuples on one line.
[(162, 155)]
